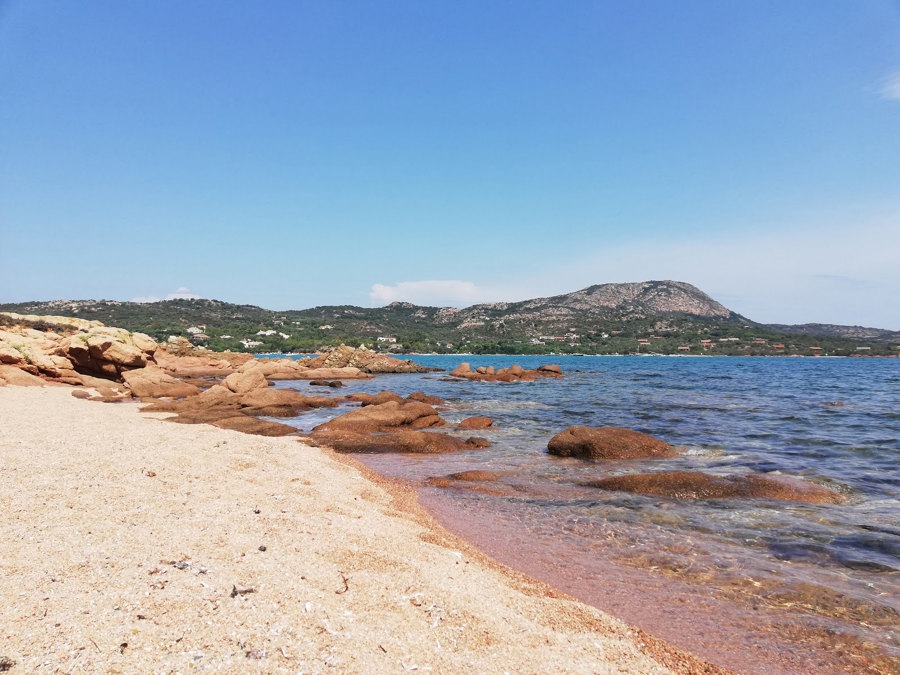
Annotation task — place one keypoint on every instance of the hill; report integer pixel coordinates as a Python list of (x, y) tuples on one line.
[(665, 317)]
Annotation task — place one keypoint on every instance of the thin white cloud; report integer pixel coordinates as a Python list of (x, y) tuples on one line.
[(439, 293), (181, 293), (890, 87)]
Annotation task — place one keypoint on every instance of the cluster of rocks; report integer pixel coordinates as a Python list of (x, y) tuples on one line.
[(35, 349), (387, 422), (512, 374), (116, 362), (614, 443), (365, 360), (239, 401)]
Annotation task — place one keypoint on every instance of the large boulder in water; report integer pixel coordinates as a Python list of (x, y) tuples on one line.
[(478, 422), (697, 485), (607, 443)]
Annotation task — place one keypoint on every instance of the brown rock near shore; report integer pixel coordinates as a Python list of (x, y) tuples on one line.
[(385, 417), (218, 402), (419, 442), (19, 377), (474, 475), (607, 443), (198, 363), (252, 425), (696, 485), (154, 382), (241, 383), (422, 397), (271, 402), (376, 399), (478, 422)]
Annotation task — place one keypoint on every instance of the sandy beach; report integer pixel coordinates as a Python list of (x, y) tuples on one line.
[(137, 545)]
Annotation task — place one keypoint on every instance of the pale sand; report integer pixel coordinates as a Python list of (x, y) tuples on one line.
[(125, 537)]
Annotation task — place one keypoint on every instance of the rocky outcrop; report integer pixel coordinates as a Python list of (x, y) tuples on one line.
[(607, 443), (64, 350), (19, 377), (389, 423), (512, 374), (366, 360), (154, 382), (241, 383), (697, 485), (376, 399), (218, 403), (192, 363), (383, 417)]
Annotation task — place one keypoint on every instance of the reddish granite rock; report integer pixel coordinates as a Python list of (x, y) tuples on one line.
[(476, 423), (9, 355), (271, 402), (217, 402), (474, 475), (376, 399), (422, 397), (251, 425), (696, 485), (421, 442), (154, 382), (241, 383), (385, 417), (462, 370), (514, 373), (365, 360), (197, 365), (607, 443), (19, 377)]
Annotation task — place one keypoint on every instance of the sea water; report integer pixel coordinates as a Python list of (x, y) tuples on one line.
[(813, 587)]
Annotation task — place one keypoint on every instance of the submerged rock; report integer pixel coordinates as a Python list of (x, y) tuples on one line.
[(697, 485), (607, 443), (479, 422), (421, 442)]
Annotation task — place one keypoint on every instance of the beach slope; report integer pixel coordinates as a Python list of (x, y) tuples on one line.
[(132, 544)]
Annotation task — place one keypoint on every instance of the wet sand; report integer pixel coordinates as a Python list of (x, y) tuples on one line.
[(132, 544)]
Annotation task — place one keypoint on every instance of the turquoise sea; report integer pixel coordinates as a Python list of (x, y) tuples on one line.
[(760, 586)]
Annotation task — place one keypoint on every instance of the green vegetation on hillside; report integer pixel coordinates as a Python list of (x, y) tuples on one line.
[(500, 328)]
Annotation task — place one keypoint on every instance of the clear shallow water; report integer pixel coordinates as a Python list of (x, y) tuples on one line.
[(832, 421)]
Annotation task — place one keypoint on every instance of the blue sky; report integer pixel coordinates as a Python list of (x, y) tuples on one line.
[(293, 154)]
